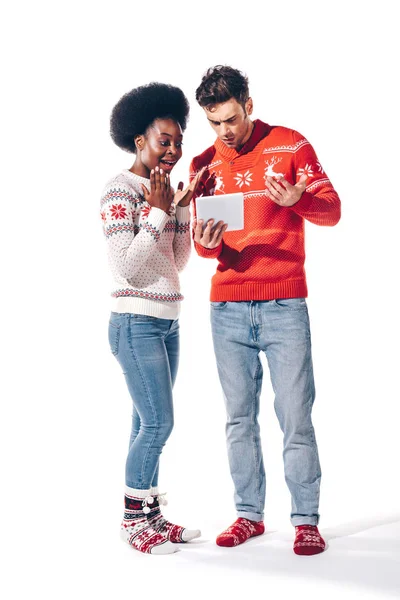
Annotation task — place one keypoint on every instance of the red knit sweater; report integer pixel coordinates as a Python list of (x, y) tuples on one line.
[(265, 260)]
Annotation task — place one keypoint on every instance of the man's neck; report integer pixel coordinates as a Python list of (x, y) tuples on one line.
[(248, 136)]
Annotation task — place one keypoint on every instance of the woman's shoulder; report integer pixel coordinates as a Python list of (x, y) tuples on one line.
[(125, 183)]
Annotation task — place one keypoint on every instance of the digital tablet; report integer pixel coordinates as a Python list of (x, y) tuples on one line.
[(228, 208)]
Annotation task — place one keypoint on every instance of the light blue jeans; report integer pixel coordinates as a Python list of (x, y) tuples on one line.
[(147, 348), (281, 329)]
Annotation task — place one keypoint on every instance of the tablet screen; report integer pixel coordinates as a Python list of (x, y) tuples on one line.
[(228, 208)]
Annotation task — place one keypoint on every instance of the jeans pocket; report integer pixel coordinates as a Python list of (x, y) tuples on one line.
[(291, 303), (218, 305), (113, 336), (142, 318)]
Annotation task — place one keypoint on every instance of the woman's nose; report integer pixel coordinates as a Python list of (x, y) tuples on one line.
[(172, 150)]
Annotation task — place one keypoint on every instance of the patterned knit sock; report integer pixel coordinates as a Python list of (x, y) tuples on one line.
[(308, 540), (135, 528), (239, 532), (174, 533)]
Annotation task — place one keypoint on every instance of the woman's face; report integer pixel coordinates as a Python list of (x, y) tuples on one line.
[(161, 145)]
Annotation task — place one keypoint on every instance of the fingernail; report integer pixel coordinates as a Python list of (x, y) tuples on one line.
[(156, 168), (161, 171), (152, 170)]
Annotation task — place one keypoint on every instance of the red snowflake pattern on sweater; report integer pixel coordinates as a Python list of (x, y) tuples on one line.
[(146, 210), (118, 211)]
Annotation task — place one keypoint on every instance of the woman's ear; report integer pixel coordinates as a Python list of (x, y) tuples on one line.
[(139, 141)]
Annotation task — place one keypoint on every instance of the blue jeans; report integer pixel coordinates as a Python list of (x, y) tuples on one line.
[(147, 348), (281, 329)]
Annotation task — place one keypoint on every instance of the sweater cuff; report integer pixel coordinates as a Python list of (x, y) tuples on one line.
[(157, 217), (303, 205), (208, 252), (183, 214)]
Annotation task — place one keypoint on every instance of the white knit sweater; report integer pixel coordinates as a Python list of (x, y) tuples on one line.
[(146, 248)]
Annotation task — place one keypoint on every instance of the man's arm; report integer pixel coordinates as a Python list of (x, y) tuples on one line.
[(207, 243), (312, 196)]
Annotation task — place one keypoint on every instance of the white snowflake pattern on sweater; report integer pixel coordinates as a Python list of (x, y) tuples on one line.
[(147, 248)]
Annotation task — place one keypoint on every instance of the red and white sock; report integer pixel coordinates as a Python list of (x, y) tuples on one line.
[(239, 532), (308, 540), (136, 529), (174, 533)]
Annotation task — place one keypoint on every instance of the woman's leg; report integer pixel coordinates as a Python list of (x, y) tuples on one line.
[(172, 347), (138, 344), (138, 341), (174, 533)]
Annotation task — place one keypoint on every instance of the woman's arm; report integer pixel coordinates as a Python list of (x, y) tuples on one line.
[(130, 244), (182, 243)]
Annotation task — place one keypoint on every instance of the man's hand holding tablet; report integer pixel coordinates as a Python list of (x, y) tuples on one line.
[(215, 215), (211, 236)]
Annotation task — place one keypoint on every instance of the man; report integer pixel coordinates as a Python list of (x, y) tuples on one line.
[(258, 297)]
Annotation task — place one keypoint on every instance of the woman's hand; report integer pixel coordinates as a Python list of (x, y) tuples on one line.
[(212, 235), (160, 194), (183, 197)]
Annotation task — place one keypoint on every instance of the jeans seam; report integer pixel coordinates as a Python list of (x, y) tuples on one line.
[(253, 433), (117, 330), (145, 460), (314, 441), (310, 407)]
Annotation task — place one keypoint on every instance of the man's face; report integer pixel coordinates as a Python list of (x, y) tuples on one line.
[(231, 122)]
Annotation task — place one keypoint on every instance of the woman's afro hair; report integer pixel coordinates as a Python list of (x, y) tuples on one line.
[(137, 110)]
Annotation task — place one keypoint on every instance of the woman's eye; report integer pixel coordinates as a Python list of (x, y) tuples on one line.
[(179, 144), (166, 143)]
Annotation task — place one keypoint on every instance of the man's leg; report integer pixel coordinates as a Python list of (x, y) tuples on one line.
[(240, 373), (288, 349)]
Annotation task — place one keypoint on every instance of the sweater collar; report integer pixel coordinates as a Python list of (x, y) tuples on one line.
[(260, 130), (137, 178)]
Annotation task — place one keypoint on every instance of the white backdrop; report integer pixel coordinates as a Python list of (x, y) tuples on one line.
[(328, 70)]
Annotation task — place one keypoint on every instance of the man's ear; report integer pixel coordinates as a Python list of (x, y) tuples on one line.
[(249, 106), (139, 141)]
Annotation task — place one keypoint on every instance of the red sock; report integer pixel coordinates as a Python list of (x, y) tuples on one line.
[(239, 532), (308, 540)]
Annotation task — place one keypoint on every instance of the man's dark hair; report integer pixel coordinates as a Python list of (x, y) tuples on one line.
[(139, 108), (221, 83)]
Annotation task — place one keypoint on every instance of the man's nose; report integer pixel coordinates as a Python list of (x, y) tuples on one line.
[(224, 129)]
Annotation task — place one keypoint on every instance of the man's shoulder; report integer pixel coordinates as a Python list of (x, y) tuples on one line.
[(282, 136)]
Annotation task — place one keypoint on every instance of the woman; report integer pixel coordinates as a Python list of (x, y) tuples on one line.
[(147, 228)]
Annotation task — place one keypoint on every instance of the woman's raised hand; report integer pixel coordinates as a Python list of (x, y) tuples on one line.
[(184, 196), (160, 194)]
